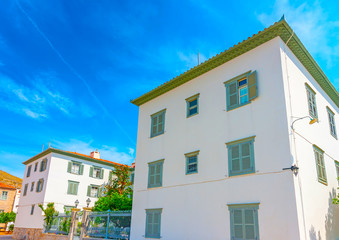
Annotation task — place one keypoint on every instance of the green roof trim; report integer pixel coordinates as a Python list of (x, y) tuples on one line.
[(69, 154), (279, 29)]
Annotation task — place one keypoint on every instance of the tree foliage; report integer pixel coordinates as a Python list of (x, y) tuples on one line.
[(118, 192), (6, 217), (50, 214)]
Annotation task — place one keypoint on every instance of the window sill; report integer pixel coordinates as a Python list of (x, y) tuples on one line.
[(240, 174), (153, 136), (238, 106), (154, 187), (157, 237), (192, 173), (192, 115), (334, 136), (323, 182)]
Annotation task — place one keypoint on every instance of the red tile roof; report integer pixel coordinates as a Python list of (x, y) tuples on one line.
[(99, 159), (3, 185)]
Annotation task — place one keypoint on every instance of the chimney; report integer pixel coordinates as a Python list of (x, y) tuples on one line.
[(95, 154)]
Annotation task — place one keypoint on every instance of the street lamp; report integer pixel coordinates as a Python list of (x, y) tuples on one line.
[(312, 120), (88, 201), (76, 203)]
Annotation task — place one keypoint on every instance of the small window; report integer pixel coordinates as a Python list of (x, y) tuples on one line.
[(29, 171), (40, 185), (192, 162), (75, 168), (36, 166), (241, 156), (155, 174), (244, 221), (96, 172), (32, 209), (4, 195), (192, 105), (72, 188), (43, 165), (32, 186), (68, 208), (153, 223), (132, 177), (25, 189), (241, 90), (312, 105), (158, 123), (93, 191), (319, 159), (331, 120), (337, 169)]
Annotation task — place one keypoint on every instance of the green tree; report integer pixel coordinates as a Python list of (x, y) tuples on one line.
[(118, 192), (6, 217), (50, 214)]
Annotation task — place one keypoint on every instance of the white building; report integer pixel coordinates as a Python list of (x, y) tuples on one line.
[(61, 177), (213, 142)]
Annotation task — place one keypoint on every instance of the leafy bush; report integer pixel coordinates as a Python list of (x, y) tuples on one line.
[(50, 215), (11, 227)]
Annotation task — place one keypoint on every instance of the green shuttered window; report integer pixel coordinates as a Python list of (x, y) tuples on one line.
[(319, 160), (241, 157), (29, 171), (192, 162), (153, 223), (40, 185), (158, 123), (25, 190), (337, 169), (312, 105), (94, 191), (155, 174), (241, 90), (96, 172), (331, 121), (192, 105), (72, 188), (244, 222), (43, 165), (75, 168)]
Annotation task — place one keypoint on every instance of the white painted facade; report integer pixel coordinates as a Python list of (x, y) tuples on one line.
[(55, 188), (195, 206), (16, 200)]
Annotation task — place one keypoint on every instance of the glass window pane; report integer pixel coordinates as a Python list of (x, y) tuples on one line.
[(193, 111), (242, 82), (193, 103)]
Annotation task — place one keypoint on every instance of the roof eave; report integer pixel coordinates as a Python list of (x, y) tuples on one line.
[(280, 29)]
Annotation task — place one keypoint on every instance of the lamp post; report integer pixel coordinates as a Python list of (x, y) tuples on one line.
[(88, 201), (76, 203), (85, 219), (294, 168)]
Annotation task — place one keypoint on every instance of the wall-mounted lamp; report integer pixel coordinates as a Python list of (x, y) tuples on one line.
[(293, 168), (312, 120)]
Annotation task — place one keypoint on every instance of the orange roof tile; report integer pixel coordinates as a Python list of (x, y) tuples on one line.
[(84, 155), (3, 185)]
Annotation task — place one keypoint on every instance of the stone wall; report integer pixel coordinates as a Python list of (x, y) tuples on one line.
[(35, 234)]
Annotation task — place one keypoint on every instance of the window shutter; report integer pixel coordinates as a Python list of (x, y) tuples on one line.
[(42, 185), (110, 176), (232, 95), (237, 224), (69, 168), (91, 172), (81, 169), (101, 173), (89, 190), (46, 160), (252, 85), (69, 188), (99, 191), (249, 224)]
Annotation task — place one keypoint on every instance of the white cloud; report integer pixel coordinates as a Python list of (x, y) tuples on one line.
[(106, 152), (38, 99), (312, 25)]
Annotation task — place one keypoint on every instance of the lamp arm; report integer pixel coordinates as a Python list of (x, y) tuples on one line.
[(298, 120)]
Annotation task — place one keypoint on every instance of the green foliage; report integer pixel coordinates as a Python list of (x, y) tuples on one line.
[(120, 181), (50, 215), (11, 227), (6, 217), (66, 222), (118, 193)]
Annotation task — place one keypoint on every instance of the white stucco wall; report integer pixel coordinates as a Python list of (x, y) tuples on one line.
[(55, 188), (195, 206), (24, 218), (313, 198), (57, 184)]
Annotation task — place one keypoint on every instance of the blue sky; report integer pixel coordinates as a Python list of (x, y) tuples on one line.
[(68, 69)]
